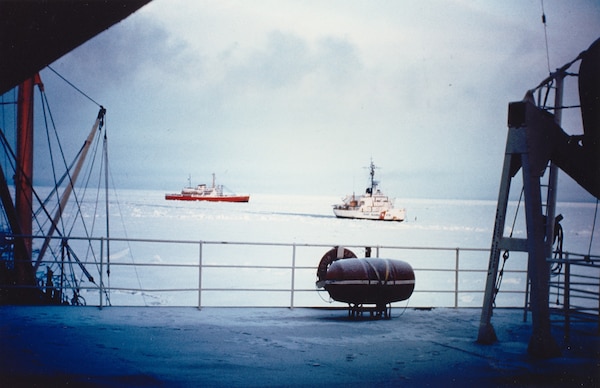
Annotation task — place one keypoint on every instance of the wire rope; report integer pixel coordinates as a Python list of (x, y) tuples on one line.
[(78, 199), (118, 202), (506, 253), (546, 36), (47, 115), (593, 230), (73, 86)]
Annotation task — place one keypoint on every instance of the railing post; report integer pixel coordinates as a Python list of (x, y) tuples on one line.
[(293, 276), (101, 270), (567, 296), (526, 305), (200, 275), (598, 305), (456, 265)]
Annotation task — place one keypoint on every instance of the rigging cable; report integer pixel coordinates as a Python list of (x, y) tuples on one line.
[(48, 114), (558, 241), (74, 87), (588, 257), (54, 189), (78, 199), (556, 268), (12, 161), (506, 253), (89, 174), (68, 168), (79, 214), (96, 208), (120, 211), (104, 164), (546, 36)]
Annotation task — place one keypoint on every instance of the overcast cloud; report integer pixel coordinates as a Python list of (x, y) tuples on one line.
[(297, 96)]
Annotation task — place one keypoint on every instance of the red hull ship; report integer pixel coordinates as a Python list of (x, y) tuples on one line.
[(192, 197), (204, 193)]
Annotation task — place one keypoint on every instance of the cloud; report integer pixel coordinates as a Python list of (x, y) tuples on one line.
[(130, 52), (317, 88), (284, 62)]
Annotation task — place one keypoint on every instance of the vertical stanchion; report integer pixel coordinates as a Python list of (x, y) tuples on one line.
[(526, 304), (200, 276), (599, 306), (101, 270), (456, 265), (293, 276), (567, 297)]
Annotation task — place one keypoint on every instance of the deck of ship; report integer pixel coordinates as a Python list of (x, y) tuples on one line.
[(169, 346)]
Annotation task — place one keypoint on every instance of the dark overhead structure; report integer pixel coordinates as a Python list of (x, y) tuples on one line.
[(33, 34)]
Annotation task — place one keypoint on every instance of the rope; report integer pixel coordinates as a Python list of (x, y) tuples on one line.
[(73, 86), (403, 310)]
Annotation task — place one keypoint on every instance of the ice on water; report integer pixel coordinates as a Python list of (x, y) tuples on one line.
[(300, 220)]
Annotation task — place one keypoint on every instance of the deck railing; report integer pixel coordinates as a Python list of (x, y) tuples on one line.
[(225, 273)]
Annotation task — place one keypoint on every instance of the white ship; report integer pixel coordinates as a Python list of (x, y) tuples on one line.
[(372, 205)]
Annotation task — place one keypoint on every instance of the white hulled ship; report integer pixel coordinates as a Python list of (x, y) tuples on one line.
[(372, 205)]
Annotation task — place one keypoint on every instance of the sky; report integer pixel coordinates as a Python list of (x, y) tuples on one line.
[(296, 97)]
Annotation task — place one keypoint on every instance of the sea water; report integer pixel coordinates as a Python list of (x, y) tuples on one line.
[(233, 234), (310, 219)]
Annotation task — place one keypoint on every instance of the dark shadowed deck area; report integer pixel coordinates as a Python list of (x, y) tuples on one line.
[(258, 347)]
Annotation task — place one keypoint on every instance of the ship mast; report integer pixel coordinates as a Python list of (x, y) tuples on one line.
[(24, 180), (19, 214), (374, 183)]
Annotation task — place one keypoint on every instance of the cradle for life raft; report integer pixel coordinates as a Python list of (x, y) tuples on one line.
[(366, 284)]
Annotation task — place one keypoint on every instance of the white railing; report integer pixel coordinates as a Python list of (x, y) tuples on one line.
[(575, 290), (251, 274)]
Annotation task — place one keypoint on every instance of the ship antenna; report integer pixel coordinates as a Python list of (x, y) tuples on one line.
[(372, 173), (372, 168)]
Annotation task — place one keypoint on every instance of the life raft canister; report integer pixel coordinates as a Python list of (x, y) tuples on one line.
[(364, 280), (368, 280)]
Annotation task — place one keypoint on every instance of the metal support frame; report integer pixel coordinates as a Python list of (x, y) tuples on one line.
[(532, 138)]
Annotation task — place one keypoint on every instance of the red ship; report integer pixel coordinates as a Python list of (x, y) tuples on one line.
[(204, 193)]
